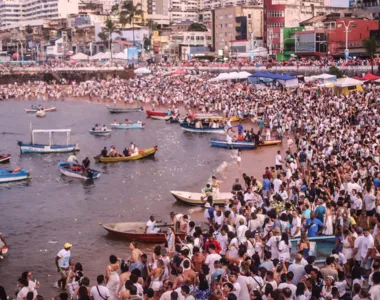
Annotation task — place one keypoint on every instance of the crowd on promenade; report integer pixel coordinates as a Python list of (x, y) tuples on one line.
[(326, 183)]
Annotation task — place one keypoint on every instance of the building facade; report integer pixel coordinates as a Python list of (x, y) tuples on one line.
[(158, 11), (184, 10)]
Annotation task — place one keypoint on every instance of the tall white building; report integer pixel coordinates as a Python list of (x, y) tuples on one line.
[(22, 11), (158, 11), (183, 10)]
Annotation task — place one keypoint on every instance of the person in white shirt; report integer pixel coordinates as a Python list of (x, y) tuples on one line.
[(289, 284), (278, 161), (99, 291), (357, 244), (273, 243), (295, 231), (248, 196), (277, 183), (24, 290), (222, 238), (366, 250), (151, 226), (212, 257)]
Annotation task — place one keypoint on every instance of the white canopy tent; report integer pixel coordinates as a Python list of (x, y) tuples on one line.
[(230, 76), (143, 71), (324, 77), (346, 82), (244, 75), (120, 55), (79, 56), (107, 55), (97, 56)]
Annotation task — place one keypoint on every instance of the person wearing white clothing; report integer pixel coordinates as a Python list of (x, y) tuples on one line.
[(99, 291)]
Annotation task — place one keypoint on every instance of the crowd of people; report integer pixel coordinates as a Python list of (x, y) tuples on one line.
[(263, 243)]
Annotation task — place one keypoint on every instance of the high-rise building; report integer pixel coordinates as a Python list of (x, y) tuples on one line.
[(158, 11), (184, 10), (16, 11)]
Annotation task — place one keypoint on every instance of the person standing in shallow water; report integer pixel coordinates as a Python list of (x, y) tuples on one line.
[(63, 262)]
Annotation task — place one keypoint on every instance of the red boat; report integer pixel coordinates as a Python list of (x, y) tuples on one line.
[(5, 158), (3, 246), (155, 113), (135, 231)]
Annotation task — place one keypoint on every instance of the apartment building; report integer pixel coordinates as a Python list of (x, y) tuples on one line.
[(234, 24), (182, 10), (158, 11), (16, 11)]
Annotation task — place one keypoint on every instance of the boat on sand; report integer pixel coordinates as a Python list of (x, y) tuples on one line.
[(195, 198), (4, 158), (144, 153), (135, 231), (118, 110), (34, 109)]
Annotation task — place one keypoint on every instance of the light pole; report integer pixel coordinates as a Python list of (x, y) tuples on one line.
[(346, 51), (22, 51)]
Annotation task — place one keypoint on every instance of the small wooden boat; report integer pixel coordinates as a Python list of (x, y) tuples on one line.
[(127, 126), (33, 147), (191, 128), (271, 142), (9, 175), (3, 246), (76, 171), (100, 132), (40, 114), (150, 113), (208, 116), (172, 120), (160, 117), (195, 198), (4, 158), (118, 110), (243, 145), (236, 119), (135, 231), (34, 109), (142, 154)]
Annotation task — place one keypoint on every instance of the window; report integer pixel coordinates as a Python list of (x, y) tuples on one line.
[(274, 14), (249, 16), (230, 25)]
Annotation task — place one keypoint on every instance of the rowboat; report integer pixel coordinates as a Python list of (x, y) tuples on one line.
[(142, 154), (100, 132), (5, 158), (236, 119), (195, 198), (135, 231), (271, 142), (150, 113), (160, 117), (191, 128), (243, 145), (40, 114), (128, 126), (3, 246), (174, 121), (33, 147), (34, 109), (9, 175), (118, 110), (208, 116), (76, 171)]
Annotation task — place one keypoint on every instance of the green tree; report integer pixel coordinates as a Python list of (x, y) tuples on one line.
[(109, 28), (197, 27), (370, 46), (335, 71), (128, 13)]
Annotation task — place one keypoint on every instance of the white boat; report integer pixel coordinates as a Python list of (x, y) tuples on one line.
[(40, 113), (76, 171), (160, 117), (195, 198), (33, 147)]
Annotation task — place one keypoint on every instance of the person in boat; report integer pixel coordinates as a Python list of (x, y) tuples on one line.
[(126, 121), (104, 128), (96, 128), (85, 165), (139, 122), (132, 147), (229, 126), (72, 159), (240, 138), (199, 124), (215, 184), (169, 112), (151, 226), (240, 128), (113, 152), (207, 190), (115, 122), (125, 152), (229, 139), (104, 152), (176, 219)]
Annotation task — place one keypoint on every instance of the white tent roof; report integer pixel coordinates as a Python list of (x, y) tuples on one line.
[(230, 76), (233, 75), (107, 55), (143, 71), (120, 55), (244, 75), (325, 77), (79, 56), (97, 56), (344, 82)]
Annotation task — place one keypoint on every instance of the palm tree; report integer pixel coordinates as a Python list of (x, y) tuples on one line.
[(109, 28), (129, 12), (370, 47)]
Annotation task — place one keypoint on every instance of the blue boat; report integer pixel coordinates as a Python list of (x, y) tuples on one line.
[(128, 126), (33, 147), (76, 171), (9, 175), (242, 145), (192, 128), (320, 247)]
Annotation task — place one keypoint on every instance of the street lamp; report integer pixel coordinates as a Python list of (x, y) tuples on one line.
[(346, 51)]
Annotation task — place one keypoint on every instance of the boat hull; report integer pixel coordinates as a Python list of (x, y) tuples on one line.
[(271, 143), (202, 130), (100, 133), (3, 246), (6, 175), (195, 198), (160, 117), (5, 158), (65, 170), (146, 153), (234, 145), (40, 114), (31, 110), (127, 126), (150, 113), (136, 235), (36, 148), (118, 110)]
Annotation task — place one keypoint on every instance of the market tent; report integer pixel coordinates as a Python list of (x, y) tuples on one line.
[(346, 82), (262, 75), (244, 75), (142, 71), (120, 55), (324, 77), (107, 55), (79, 56), (232, 76), (97, 56), (368, 77), (220, 77)]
